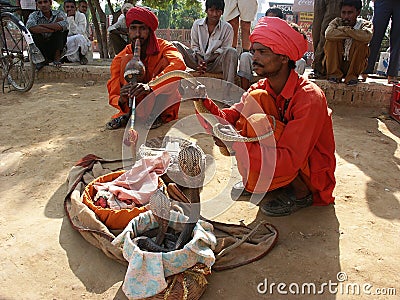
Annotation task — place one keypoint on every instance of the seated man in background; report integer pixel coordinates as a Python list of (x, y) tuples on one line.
[(297, 162), (346, 46), (159, 57), (211, 44), (78, 44), (245, 71), (82, 8), (49, 30), (118, 31)]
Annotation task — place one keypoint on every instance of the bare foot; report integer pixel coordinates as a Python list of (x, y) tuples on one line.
[(364, 77)]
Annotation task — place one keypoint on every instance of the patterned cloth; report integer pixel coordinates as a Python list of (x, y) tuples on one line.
[(147, 271), (349, 41), (140, 182)]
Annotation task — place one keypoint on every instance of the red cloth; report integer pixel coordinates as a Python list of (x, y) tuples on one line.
[(278, 35), (168, 59), (304, 141), (148, 18)]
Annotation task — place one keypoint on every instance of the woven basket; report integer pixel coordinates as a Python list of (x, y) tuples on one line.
[(113, 219), (188, 285)]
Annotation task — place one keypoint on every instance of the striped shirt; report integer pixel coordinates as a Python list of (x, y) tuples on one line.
[(38, 18)]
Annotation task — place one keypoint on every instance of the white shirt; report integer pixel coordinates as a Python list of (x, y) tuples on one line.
[(206, 44), (77, 24), (120, 24)]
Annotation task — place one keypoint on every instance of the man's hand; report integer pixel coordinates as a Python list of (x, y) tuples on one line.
[(139, 90), (202, 67), (124, 90), (188, 91), (124, 95), (130, 90), (201, 64)]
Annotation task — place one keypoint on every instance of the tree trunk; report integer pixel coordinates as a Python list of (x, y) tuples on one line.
[(100, 26)]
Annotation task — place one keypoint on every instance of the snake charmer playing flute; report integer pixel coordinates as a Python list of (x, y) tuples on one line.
[(297, 162), (159, 57)]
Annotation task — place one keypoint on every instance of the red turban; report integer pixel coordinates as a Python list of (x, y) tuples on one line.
[(148, 18), (278, 35)]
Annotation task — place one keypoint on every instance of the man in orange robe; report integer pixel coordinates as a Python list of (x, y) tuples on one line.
[(297, 161), (159, 57)]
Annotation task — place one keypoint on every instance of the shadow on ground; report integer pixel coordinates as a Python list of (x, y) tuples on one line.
[(309, 234), (371, 145)]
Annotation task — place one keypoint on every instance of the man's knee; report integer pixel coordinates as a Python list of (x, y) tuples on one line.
[(245, 65), (331, 47), (178, 45), (231, 53)]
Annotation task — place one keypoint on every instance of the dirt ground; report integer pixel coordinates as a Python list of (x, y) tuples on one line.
[(45, 131)]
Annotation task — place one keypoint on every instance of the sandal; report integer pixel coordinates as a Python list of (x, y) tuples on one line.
[(57, 64), (315, 75), (333, 80), (285, 204), (83, 60), (392, 80), (117, 122), (41, 65), (238, 190), (155, 124), (352, 82)]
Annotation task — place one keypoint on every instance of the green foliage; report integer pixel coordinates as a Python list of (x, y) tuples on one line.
[(176, 14), (165, 4), (107, 9)]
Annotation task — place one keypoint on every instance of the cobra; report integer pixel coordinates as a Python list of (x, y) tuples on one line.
[(191, 161), (205, 113)]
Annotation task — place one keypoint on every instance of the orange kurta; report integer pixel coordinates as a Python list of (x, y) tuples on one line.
[(303, 142), (168, 59)]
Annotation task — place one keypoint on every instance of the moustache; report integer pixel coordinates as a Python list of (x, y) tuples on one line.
[(140, 39), (254, 64)]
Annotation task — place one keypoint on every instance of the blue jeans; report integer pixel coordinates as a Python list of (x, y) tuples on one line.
[(383, 11)]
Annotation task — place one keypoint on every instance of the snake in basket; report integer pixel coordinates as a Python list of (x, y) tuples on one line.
[(191, 163)]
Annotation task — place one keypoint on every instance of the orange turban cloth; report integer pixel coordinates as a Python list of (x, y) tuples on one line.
[(148, 18), (278, 35)]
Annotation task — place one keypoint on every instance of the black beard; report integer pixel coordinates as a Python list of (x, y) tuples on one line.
[(270, 74)]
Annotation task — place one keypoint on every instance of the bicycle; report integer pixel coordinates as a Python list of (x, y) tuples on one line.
[(18, 54)]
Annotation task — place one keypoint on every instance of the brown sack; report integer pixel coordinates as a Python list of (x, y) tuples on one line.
[(237, 245)]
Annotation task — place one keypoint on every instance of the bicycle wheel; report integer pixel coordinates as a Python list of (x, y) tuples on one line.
[(18, 68)]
